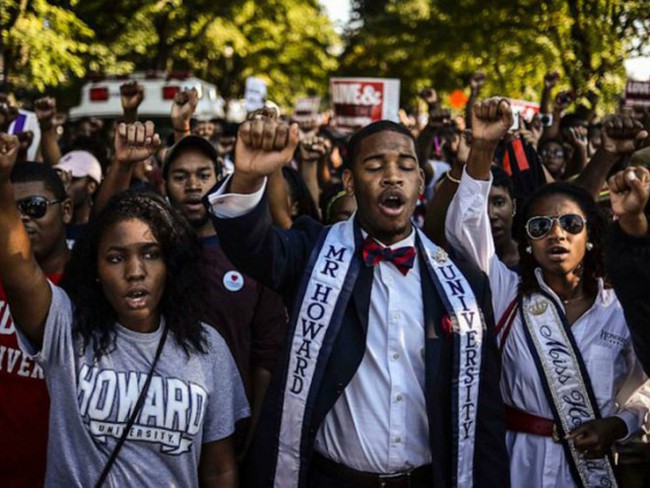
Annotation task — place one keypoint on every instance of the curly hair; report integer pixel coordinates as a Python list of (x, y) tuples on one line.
[(182, 301), (593, 265)]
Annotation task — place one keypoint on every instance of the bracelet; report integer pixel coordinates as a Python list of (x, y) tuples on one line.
[(181, 130), (451, 178)]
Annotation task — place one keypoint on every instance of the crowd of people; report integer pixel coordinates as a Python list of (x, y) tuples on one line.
[(459, 302)]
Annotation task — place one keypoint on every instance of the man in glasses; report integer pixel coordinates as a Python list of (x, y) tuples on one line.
[(24, 402)]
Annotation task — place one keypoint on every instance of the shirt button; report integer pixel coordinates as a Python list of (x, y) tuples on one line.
[(396, 356), (398, 398), (398, 440)]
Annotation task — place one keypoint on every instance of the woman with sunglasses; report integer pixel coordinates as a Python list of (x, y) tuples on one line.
[(569, 373), (141, 392)]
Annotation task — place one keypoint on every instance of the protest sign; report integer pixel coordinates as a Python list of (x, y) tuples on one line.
[(637, 93), (255, 94), (306, 109), (358, 102), (524, 108)]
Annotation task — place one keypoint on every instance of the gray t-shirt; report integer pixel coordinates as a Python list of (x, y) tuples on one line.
[(191, 401)]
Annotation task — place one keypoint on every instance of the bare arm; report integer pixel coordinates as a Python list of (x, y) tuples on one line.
[(218, 466), (183, 108), (434, 221), (45, 109), (28, 293), (131, 96), (621, 135)]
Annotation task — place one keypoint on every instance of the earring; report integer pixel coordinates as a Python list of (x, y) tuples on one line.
[(529, 249), (590, 246)]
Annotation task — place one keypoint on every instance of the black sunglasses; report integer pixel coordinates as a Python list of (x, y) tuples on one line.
[(537, 227), (36, 206)]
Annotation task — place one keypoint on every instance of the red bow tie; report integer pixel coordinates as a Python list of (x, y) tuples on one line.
[(402, 257)]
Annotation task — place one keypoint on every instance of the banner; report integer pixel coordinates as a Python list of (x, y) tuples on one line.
[(306, 109), (524, 108), (637, 93), (358, 102), (255, 94)]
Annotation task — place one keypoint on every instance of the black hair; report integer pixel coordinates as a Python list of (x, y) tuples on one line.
[(501, 179), (573, 120), (331, 193), (182, 299), (300, 193), (593, 265), (215, 162), (29, 171), (357, 138)]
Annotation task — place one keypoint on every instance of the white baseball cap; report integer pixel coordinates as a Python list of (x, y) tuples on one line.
[(80, 164)]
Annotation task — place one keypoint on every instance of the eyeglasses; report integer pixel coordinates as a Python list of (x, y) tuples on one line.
[(35, 207), (553, 154), (538, 227)]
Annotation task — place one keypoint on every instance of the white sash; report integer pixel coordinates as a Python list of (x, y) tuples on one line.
[(468, 325), (328, 275), (567, 383), (314, 319)]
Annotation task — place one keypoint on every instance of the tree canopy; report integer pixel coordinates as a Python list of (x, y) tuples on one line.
[(442, 42), (292, 44)]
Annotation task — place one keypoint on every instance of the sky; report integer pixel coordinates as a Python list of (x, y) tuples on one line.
[(338, 11)]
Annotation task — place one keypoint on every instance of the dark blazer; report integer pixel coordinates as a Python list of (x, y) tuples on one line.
[(278, 259)]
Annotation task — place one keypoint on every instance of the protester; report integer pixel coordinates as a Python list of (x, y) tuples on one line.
[(628, 254), (562, 422), (367, 388), (85, 175), (24, 403), (127, 361)]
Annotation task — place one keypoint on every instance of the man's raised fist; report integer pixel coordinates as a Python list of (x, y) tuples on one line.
[(135, 142), (491, 119), (622, 134), (131, 95), (45, 110)]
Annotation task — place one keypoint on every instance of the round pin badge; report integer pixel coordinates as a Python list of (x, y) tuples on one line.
[(233, 281)]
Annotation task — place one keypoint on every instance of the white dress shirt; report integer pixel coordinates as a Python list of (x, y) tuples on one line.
[(601, 335), (379, 423)]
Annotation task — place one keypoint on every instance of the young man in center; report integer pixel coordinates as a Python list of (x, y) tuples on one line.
[(390, 376)]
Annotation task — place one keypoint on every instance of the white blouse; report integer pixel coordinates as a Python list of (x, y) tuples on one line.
[(601, 335)]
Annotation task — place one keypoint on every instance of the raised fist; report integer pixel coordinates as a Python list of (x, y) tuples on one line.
[(562, 100), (491, 119), (135, 142), (9, 147), (550, 79), (184, 105), (264, 144), (477, 81), (629, 191), (622, 134), (131, 95), (429, 95), (45, 110), (312, 149)]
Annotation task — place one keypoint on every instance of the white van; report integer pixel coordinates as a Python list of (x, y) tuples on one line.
[(100, 96)]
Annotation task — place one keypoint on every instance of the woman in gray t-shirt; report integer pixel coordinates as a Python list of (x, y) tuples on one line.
[(130, 294)]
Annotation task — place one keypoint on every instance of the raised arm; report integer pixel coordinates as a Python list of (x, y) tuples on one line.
[(28, 293), (183, 108), (133, 142), (621, 135), (45, 110), (131, 96)]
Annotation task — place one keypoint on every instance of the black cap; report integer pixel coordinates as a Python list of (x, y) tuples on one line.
[(193, 141)]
